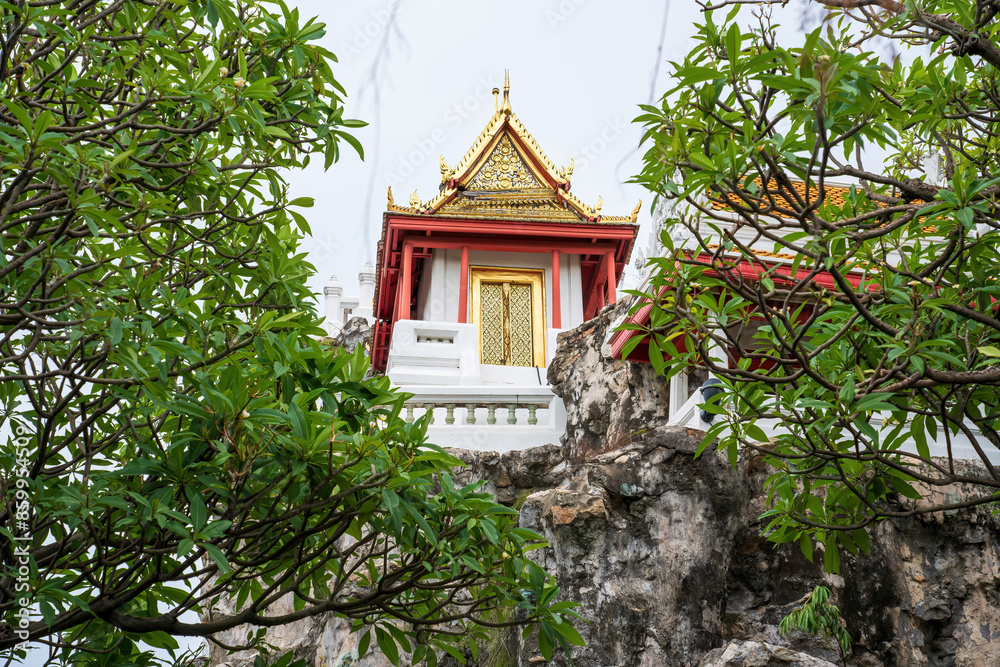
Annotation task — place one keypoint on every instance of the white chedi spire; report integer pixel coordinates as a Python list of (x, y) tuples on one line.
[(332, 293), (366, 278)]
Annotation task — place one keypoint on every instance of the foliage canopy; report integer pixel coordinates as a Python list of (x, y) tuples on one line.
[(864, 325), (179, 438)]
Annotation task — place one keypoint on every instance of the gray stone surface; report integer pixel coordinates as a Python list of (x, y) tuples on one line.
[(608, 403), (759, 654), (355, 332)]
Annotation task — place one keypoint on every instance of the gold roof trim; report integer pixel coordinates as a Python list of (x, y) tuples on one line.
[(624, 218), (391, 205), (480, 145)]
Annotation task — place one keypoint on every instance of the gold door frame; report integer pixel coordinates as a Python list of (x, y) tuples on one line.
[(536, 278)]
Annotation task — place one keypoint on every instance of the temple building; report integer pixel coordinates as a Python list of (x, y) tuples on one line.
[(763, 258), (473, 285)]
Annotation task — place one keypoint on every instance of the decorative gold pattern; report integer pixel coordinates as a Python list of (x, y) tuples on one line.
[(521, 205), (493, 323), (624, 218), (415, 201), (392, 206), (504, 170), (508, 305), (447, 173), (520, 324), (506, 324)]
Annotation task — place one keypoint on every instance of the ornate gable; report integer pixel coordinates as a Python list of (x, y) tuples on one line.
[(506, 175), (504, 169)]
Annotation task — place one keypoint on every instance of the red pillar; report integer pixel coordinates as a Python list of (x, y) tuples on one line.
[(556, 303), (406, 281), (463, 287), (611, 277)]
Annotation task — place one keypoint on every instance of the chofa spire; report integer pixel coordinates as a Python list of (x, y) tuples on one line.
[(505, 106)]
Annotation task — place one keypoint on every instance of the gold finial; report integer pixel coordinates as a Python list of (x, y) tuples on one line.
[(496, 91), (635, 211), (446, 171), (566, 171), (599, 204), (388, 193), (505, 107), (415, 201)]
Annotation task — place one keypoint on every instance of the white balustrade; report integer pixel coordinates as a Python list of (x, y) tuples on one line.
[(493, 418)]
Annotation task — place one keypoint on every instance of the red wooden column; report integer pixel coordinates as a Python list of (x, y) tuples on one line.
[(556, 304), (611, 276), (406, 281), (463, 287)]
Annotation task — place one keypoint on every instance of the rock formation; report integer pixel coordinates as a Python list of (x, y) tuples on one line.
[(356, 332), (665, 552)]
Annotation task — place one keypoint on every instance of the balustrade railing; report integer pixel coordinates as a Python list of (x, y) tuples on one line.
[(472, 413)]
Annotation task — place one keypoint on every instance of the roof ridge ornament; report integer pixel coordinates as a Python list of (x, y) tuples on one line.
[(505, 107), (566, 172), (415, 201), (447, 173)]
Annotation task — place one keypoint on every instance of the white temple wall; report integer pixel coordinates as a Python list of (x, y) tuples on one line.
[(437, 300)]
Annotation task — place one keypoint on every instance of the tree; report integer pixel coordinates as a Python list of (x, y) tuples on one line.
[(179, 435), (880, 330)]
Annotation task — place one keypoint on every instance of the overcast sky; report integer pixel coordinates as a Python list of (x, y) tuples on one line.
[(578, 68)]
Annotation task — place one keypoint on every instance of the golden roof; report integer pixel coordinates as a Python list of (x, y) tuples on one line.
[(506, 175), (834, 195)]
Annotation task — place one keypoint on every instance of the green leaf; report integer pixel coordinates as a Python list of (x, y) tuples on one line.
[(298, 420), (217, 556), (363, 643), (570, 633), (387, 645), (199, 512), (115, 331), (806, 544), (831, 555)]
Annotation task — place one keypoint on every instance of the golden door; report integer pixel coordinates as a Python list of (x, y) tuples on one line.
[(508, 307)]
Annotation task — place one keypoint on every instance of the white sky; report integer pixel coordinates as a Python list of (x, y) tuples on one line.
[(578, 68)]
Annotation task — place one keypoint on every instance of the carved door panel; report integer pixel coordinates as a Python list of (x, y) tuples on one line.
[(508, 307)]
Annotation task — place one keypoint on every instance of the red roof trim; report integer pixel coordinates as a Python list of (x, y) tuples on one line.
[(747, 269)]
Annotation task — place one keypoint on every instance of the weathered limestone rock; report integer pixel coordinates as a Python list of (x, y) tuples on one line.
[(643, 538), (323, 641), (514, 475), (608, 403), (926, 594), (355, 332), (759, 654), (934, 588)]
